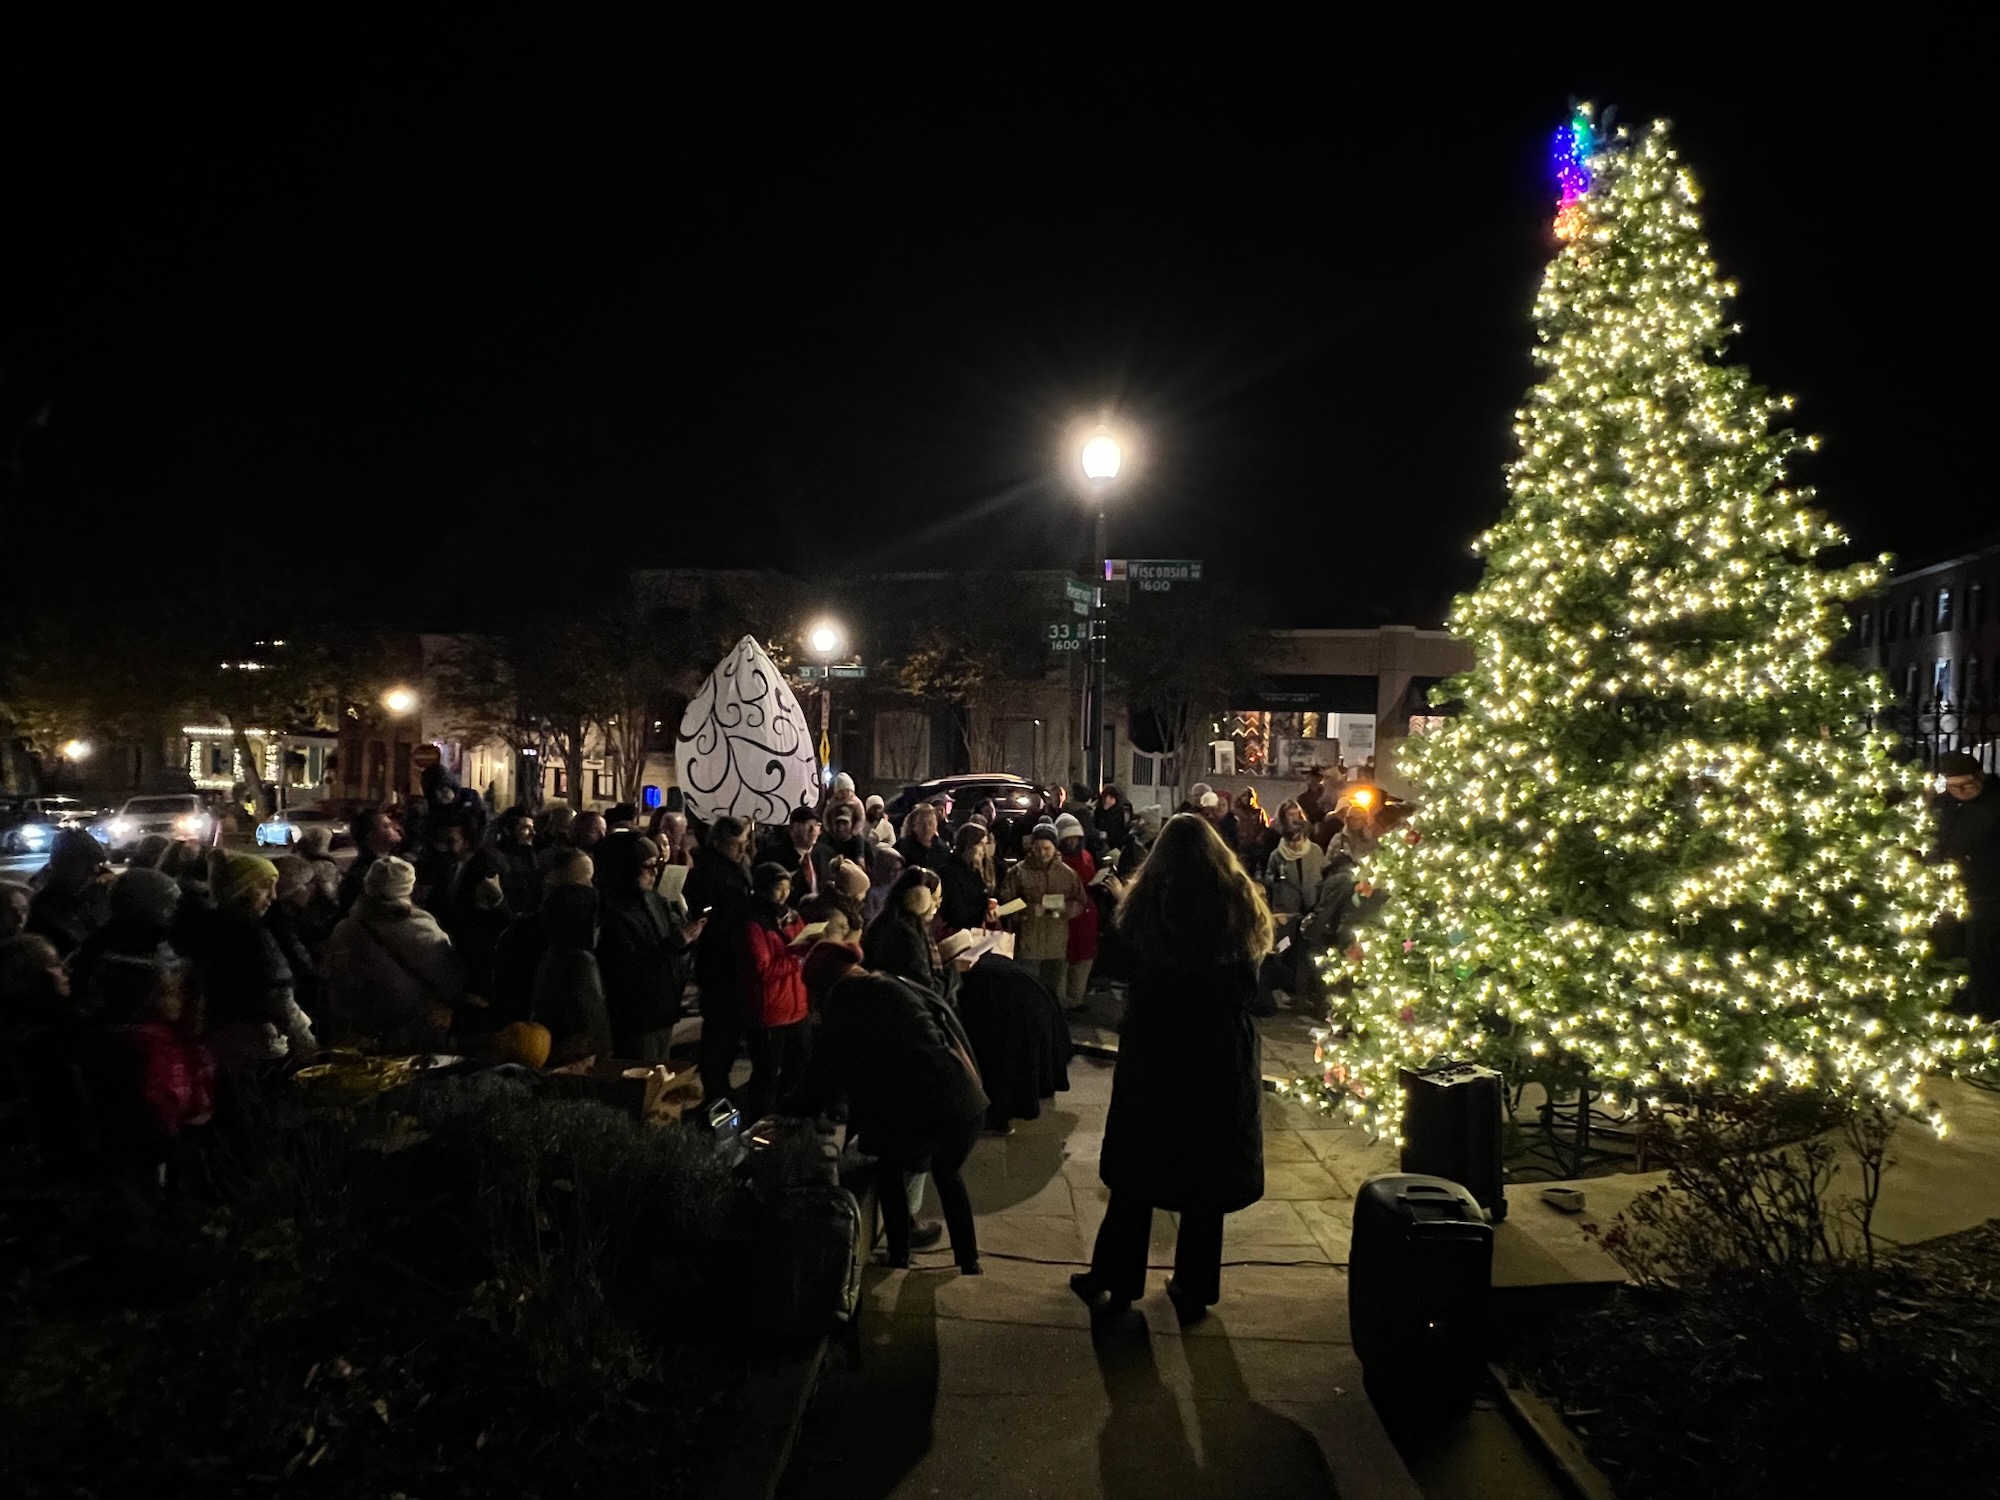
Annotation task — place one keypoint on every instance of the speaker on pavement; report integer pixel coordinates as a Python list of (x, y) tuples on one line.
[(1452, 1129), (1419, 1268)]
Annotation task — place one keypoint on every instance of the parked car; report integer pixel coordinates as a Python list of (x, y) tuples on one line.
[(966, 791), (28, 825), (282, 829), (178, 815)]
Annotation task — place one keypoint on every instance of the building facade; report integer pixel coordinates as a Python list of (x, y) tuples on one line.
[(1933, 633)]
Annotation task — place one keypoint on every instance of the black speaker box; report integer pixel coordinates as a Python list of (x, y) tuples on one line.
[(1419, 1269), (1452, 1129)]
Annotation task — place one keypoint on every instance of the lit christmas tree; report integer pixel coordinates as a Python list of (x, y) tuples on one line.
[(1658, 848)]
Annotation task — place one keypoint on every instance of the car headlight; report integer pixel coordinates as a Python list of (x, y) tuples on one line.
[(190, 823), (121, 828), (34, 835)]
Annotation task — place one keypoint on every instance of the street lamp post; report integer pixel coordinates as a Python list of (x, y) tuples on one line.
[(825, 641), (400, 701), (68, 753), (1102, 458)]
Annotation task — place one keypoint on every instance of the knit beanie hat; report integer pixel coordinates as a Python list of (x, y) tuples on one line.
[(850, 879), (241, 873), (146, 895), (1067, 827), (294, 874), (843, 782), (391, 878), (1045, 830)]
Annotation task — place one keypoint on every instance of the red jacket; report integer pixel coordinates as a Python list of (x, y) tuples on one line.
[(1083, 929), (773, 988), (176, 1075)]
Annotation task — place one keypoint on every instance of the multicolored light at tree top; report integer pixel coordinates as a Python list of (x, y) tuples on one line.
[(1575, 143)]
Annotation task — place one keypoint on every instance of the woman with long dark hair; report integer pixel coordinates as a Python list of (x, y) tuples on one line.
[(1185, 1129)]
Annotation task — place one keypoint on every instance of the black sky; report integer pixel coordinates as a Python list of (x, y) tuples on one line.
[(428, 315)]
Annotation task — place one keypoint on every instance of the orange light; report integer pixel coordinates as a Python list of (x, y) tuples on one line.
[(1363, 797)]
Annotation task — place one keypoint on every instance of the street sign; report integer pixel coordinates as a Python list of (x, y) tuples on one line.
[(1067, 635), (1079, 593), (1079, 608), (811, 672), (1156, 575), (848, 671), (1114, 569), (423, 757)]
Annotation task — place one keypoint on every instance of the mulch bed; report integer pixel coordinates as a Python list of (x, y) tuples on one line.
[(1848, 1384)]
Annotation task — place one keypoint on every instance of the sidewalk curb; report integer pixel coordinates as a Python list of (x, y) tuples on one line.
[(773, 1405), (1542, 1426)]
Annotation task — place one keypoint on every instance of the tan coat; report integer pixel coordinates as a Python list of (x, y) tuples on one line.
[(1044, 934)]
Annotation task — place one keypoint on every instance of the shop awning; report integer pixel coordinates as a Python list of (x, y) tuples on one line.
[(1323, 694)]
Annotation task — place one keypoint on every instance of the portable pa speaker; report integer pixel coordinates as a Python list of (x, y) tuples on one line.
[(1452, 1129), (1419, 1269)]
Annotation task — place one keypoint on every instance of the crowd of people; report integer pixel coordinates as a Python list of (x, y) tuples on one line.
[(835, 951)]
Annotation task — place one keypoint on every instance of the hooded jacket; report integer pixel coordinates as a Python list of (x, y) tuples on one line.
[(1044, 932), (387, 965)]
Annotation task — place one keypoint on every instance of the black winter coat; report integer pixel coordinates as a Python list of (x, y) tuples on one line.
[(1969, 832), (1019, 1034), (724, 885), (896, 943), (643, 956), (889, 1047), (961, 896), (935, 858), (1185, 1129)]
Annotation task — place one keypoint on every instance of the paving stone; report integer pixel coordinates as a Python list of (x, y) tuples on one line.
[(1286, 1146), (1299, 1182), (1331, 1224), (1270, 1224)]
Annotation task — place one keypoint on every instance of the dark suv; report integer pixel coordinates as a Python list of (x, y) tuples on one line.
[(1011, 793)]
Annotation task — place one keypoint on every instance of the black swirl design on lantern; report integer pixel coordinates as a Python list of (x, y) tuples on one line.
[(744, 747)]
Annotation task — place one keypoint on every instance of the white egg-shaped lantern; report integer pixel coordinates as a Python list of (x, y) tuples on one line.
[(745, 748)]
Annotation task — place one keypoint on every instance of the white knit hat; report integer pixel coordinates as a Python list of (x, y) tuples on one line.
[(391, 877), (1067, 827)]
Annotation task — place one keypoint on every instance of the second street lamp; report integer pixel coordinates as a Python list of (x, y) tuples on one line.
[(826, 641)]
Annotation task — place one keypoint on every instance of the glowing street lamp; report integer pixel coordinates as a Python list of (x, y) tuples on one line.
[(76, 750), (826, 640), (1101, 458), (399, 701)]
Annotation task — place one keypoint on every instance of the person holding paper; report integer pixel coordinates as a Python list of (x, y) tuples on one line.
[(966, 897), (1185, 1128), (1053, 895), (776, 990)]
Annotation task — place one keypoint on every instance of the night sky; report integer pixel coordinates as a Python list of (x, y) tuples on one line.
[(418, 318)]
